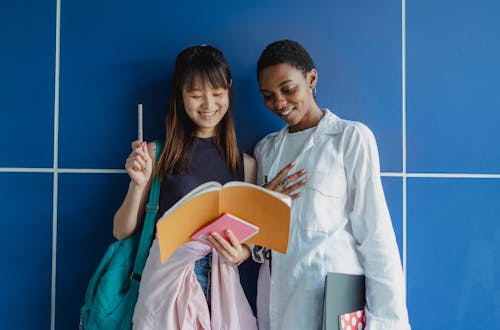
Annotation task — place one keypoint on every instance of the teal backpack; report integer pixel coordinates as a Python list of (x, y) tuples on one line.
[(113, 289)]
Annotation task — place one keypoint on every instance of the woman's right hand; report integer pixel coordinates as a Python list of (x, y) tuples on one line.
[(288, 184), (139, 164)]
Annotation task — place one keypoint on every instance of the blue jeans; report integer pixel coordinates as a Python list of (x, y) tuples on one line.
[(203, 270)]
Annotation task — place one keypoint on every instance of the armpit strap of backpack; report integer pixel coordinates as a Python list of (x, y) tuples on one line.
[(149, 221)]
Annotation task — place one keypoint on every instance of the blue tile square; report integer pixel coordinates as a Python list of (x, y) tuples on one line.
[(393, 189), (105, 74), (453, 253), (87, 203), (26, 245), (357, 51), (27, 64), (453, 79), (358, 55)]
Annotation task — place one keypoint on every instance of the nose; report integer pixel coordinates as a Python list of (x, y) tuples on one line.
[(279, 103), (209, 102)]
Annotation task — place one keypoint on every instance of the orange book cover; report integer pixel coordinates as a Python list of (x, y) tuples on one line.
[(266, 209)]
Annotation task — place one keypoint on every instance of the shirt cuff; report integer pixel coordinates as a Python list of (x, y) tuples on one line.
[(260, 254)]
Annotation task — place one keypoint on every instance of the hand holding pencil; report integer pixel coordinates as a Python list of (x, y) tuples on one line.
[(139, 164)]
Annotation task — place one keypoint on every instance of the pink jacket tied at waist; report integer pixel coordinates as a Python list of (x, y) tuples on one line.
[(170, 296)]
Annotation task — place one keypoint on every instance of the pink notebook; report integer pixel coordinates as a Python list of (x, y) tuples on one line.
[(353, 320), (242, 229)]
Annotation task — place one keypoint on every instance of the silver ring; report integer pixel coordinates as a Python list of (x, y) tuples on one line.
[(283, 182)]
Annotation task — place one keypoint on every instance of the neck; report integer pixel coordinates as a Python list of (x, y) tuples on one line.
[(310, 120), (204, 133)]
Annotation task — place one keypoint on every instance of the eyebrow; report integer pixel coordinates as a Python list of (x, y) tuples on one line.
[(285, 82), (279, 85)]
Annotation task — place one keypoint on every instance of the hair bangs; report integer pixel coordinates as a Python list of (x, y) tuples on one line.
[(206, 71)]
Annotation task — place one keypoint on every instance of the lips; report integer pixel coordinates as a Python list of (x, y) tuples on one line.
[(208, 115), (284, 113)]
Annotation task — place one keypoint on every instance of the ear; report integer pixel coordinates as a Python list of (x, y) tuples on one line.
[(312, 78)]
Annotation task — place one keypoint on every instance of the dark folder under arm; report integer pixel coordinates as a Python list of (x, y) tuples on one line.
[(344, 293)]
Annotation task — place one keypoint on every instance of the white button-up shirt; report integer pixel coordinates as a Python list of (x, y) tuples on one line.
[(340, 224)]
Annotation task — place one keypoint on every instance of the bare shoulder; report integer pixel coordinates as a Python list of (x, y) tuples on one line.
[(249, 159), (250, 167)]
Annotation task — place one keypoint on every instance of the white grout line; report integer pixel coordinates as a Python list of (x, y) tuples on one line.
[(55, 169), (60, 170), (91, 171), (453, 175), (403, 108), (441, 175), (392, 174), (26, 169), (123, 171)]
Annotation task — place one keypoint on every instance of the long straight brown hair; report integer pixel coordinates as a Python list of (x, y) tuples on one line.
[(209, 64)]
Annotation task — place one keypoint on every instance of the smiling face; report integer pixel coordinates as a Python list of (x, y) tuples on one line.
[(288, 93), (205, 106)]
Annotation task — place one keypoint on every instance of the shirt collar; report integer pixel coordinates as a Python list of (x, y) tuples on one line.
[(329, 124)]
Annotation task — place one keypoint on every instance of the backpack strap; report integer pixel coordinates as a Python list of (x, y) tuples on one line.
[(149, 222)]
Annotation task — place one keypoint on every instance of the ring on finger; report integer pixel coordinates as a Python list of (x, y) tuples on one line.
[(283, 182)]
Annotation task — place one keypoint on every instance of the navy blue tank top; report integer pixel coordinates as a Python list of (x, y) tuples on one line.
[(207, 164)]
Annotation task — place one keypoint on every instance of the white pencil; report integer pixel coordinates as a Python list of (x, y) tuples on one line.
[(139, 126)]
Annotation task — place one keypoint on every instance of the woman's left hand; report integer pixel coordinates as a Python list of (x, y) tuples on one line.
[(232, 252)]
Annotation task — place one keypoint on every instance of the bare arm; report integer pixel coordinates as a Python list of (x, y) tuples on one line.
[(250, 168), (139, 165)]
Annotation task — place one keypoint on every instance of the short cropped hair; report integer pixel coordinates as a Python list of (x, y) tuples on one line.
[(285, 51)]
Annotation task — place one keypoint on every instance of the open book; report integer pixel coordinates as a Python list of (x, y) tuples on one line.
[(266, 209)]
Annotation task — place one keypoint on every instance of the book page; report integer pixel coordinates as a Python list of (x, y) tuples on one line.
[(201, 189), (283, 197), (187, 216), (267, 210)]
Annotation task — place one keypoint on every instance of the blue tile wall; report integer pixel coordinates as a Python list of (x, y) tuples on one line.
[(26, 245), (453, 259), (393, 189), (127, 52), (453, 83), (27, 61), (114, 55), (360, 70), (87, 204)]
